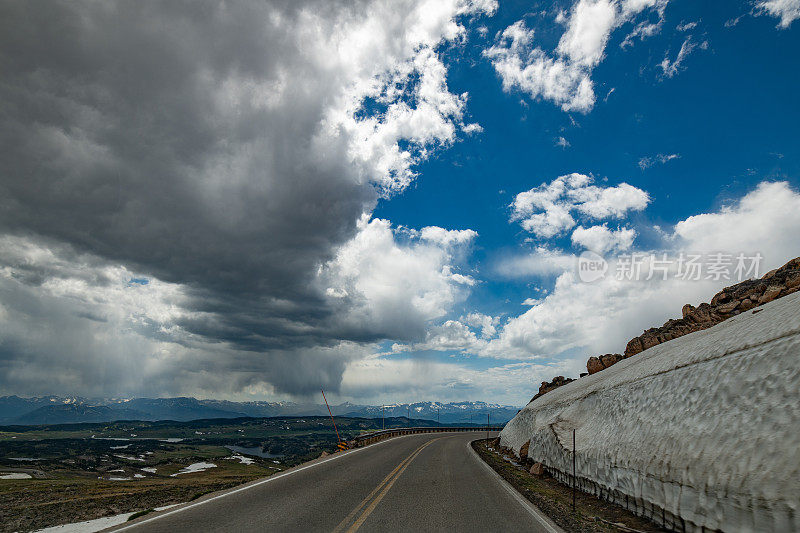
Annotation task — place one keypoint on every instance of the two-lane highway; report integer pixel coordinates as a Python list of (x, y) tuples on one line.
[(424, 482)]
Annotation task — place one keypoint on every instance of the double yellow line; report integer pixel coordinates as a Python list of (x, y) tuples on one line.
[(377, 494)]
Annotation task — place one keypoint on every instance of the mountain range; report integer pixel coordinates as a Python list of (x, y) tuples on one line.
[(15, 410)]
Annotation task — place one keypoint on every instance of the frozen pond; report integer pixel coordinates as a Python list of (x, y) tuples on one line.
[(255, 450)]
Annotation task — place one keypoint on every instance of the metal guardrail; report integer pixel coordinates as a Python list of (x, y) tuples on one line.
[(369, 438)]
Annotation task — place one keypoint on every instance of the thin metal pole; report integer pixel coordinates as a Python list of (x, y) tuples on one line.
[(573, 470), (338, 439)]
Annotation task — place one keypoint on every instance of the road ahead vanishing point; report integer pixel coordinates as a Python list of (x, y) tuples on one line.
[(423, 482)]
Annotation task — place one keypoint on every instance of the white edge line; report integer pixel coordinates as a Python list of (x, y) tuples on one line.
[(540, 517), (263, 481)]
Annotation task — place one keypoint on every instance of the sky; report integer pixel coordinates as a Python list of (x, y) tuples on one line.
[(392, 200)]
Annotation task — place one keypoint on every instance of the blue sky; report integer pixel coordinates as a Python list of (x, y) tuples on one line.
[(730, 114), (388, 202)]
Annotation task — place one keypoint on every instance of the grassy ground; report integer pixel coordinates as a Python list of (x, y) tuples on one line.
[(75, 495), (555, 499)]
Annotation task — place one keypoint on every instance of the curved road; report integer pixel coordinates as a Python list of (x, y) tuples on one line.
[(423, 482)]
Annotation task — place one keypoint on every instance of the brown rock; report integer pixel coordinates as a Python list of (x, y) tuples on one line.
[(728, 307), (705, 315), (769, 274), (793, 281), (746, 304), (770, 294), (649, 340), (609, 359), (634, 346), (593, 365), (687, 310), (537, 469), (546, 387), (720, 298), (523, 451)]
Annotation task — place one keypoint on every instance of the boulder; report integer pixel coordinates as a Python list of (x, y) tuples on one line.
[(728, 308), (720, 298), (593, 365), (746, 304), (770, 294), (537, 469), (687, 310), (546, 387), (609, 359), (634, 346)]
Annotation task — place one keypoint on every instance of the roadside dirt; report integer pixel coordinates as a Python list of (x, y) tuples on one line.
[(553, 498)]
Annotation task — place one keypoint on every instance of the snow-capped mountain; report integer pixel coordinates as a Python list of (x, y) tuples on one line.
[(72, 409)]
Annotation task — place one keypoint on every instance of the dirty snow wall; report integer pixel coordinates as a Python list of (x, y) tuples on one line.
[(702, 431)]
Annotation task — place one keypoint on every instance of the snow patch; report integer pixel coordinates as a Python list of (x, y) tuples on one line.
[(242, 459), (194, 467), (15, 475), (98, 524), (89, 526)]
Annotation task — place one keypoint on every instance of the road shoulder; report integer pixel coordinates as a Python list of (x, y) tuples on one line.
[(553, 499)]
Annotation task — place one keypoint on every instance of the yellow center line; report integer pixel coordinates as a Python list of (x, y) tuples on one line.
[(352, 514), (386, 484)]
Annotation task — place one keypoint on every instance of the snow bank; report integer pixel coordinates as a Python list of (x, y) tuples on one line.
[(698, 432)]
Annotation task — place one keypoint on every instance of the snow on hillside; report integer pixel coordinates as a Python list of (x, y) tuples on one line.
[(701, 431)]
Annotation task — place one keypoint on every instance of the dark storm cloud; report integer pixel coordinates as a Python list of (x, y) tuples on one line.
[(114, 140), (134, 132), (192, 144)]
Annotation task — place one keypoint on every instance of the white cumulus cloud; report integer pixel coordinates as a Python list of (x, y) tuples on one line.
[(601, 239), (550, 209), (564, 77), (787, 10), (602, 316), (394, 288)]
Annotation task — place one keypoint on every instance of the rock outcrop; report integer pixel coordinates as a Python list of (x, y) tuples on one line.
[(546, 386), (727, 303)]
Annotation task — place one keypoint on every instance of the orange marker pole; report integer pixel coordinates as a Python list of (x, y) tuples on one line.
[(329, 412)]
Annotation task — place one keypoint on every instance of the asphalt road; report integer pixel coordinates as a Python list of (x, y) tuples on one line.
[(426, 482)]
